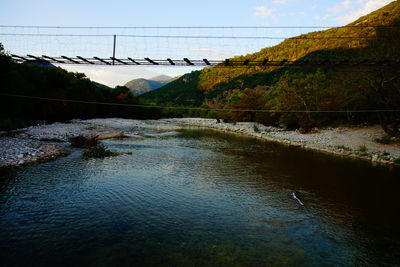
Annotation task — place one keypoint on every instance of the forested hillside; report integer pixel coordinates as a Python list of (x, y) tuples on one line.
[(56, 83), (309, 89)]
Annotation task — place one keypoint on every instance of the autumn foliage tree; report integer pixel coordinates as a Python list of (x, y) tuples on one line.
[(297, 98), (246, 102)]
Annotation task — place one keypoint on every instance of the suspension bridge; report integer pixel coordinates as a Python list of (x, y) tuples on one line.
[(165, 46)]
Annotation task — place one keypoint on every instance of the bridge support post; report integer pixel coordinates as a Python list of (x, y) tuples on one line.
[(115, 41)]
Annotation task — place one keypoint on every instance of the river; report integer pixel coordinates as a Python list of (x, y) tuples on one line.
[(200, 198)]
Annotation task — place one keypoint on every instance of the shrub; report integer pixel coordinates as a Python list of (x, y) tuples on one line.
[(97, 152), (362, 148), (364, 154), (397, 161), (256, 129), (384, 139)]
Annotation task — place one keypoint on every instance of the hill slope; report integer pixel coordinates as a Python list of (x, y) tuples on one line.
[(324, 88), (296, 48)]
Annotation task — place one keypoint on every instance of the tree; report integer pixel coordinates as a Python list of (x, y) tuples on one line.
[(381, 84), (2, 52), (247, 99), (382, 90), (298, 95)]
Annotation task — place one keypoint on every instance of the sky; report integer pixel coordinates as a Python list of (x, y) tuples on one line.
[(123, 13)]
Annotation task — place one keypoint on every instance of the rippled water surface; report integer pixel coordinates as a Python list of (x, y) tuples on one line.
[(200, 198)]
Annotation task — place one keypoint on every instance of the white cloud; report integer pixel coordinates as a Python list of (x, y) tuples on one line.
[(298, 13), (262, 11), (336, 10), (366, 8), (339, 8), (204, 52), (279, 2), (350, 10)]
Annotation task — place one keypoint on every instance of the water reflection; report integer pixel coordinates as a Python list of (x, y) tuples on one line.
[(200, 198)]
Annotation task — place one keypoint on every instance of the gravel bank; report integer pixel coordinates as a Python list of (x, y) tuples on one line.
[(46, 142)]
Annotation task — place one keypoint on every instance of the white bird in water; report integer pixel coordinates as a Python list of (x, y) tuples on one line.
[(295, 197)]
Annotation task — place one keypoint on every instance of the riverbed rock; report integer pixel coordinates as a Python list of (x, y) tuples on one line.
[(109, 135), (83, 141), (90, 140)]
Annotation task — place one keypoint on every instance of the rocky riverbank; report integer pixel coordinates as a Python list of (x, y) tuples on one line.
[(46, 142)]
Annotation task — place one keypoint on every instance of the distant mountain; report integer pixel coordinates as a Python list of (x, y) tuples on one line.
[(100, 85), (162, 78), (141, 86)]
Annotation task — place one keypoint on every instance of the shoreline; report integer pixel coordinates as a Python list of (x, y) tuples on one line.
[(342, 141), (47, 142)]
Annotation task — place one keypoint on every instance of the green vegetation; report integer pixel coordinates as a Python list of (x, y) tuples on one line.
[(385, 156), (98, 151), (310, 44), (362, 148), (397, 161), (384, 139), (2, 52), (364, 154), (312, 91), (183, 92), (256, 129), (37, 85)]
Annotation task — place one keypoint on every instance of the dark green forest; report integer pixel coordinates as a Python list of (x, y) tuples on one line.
[(57, 83)]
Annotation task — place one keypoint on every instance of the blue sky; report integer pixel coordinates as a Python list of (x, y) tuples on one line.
[(176, 13)]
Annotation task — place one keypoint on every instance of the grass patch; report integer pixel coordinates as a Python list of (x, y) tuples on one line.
[(364, 154), (98, 151), (384, 139), (362, 148), (256, 129), (385, 156)]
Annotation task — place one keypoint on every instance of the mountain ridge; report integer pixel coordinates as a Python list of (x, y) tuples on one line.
[(295, 48), (141, 85)]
